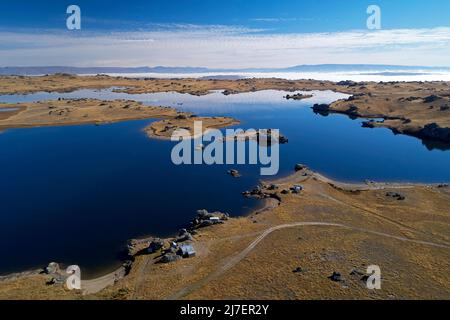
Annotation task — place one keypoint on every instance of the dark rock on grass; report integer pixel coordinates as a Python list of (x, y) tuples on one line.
[(183, 235), (431, 98), (170, 257), (336, 277), (127, 265), (299, 167), (155, 245), (352, 111), (356, 272), (349, 83), (52, 268), (297, 270), (296, 189), (395, 195), (359, 275)]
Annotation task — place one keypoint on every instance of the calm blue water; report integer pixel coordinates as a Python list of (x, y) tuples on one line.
[(75, 194)]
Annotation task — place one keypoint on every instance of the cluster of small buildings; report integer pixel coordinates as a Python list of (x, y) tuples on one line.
[(181, 246)]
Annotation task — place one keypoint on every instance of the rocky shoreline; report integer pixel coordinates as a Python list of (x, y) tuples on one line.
[(398, 125)]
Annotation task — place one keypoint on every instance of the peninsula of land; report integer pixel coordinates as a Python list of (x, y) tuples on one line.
[(419, 109)]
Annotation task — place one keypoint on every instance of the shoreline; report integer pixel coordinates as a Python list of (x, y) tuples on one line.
[(267, 204), (419, 109)]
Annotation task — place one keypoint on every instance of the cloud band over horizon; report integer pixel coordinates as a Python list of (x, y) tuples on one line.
[(217, 46)]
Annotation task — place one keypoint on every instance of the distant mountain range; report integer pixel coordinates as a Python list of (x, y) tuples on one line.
[(180, 70)]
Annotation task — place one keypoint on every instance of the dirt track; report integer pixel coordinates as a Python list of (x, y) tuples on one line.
[(232, 261)]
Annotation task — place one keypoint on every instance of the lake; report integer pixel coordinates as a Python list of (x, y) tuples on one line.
[(75, 194)]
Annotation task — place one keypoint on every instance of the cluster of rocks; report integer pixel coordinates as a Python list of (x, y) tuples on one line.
[(356, 96), (256, 192), (300, 167), (59, 112), (409, 99), (359, 274), (228, 92), (260, 192), (57, 276), (206, 219), (155, 245), (349, 83), (183, 235), (336, 277), (395, 195), (295, 189), (181, 117)]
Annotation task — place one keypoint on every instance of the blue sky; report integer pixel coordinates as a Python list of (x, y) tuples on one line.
[(232, 33), (281, 15)]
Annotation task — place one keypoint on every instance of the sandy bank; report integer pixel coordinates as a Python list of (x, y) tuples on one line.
[(87, 111)]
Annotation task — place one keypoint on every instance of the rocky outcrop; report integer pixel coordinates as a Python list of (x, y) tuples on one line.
[(395, 195), (336, 277), (431, 98), (322, 109), (207, 219), (183, 235), (234, 173), (298, 96), (433, 131), (170, 257)]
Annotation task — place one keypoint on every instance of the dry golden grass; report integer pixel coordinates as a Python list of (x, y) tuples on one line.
[(391, 101)]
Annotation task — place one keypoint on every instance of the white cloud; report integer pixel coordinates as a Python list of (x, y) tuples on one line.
[(224, 47)]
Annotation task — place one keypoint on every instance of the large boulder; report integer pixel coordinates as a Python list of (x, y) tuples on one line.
[(52, 268), (155, 245), (336, 277), (170, 257)]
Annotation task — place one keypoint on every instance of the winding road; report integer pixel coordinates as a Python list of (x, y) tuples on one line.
[(231, 262)]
